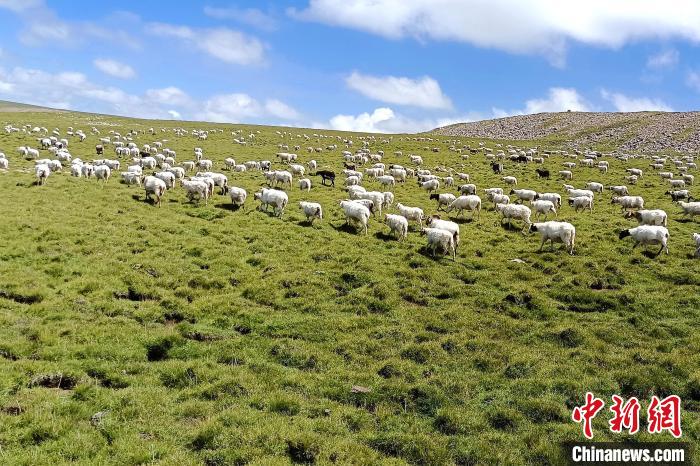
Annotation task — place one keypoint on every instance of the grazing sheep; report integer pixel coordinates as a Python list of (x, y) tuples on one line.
[(386, 180), (556, 232), (154, 186), (305, 183), (167, 177), (129, 178), (524, 194), (555, 198), (648, 234), (440, 239), (238, 195), (443, 199), (4, 164), (398, 225), (566, 175), (677, 183), (272, 197), (679, 195), (42, 172), (356, 213), (579, 192), (470, 202), (543, 207), (490, 191), (411, 213), (375, 196), (581, 203), (467, 189), (103, 172), (499, 199), (510, 180), (297, 169), (515, 211), (434, 221), (388, 199), (689, 179), (595, 187), (690, 208), (326, 175), (312, 211), (619, 190), (430, 185), (542, 173), (649, 217), (312, 165), (88, 170), (696, 238), (229, 163), (198, 188), (629, 202)]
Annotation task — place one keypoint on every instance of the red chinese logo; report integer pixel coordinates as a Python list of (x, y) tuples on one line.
[(626, 415), (665, 415), (587, 412)]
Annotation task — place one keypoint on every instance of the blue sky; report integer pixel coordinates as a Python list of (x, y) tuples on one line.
[(380, 65)]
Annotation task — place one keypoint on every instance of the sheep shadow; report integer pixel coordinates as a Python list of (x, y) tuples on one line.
[(228, 206), (685, 220), (346, 228), (463, 220), (651, 254), (305, 223), (423, 251), (384, 236)]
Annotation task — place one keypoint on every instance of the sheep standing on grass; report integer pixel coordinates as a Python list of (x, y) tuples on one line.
[(440, 239), (411, 213), (543, 207), (398, 225), (3, 163), (696, 238), (443, 199), (305, 184), (581, 203), (238, 195), (154, 186), (648, 234), (435, 222), (515, 211), (649, 217), (196, 188), (462, 203), (629, 202), (42, 172), (690, 208), (312, 210), (272, 197), (556, 232), (356, 213)]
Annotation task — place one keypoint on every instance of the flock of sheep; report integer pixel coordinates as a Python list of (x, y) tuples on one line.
[(364, 167)]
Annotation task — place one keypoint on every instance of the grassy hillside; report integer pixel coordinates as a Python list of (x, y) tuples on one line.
[(188, 334)]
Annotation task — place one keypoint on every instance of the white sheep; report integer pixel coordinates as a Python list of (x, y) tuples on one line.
[(515, 211), (435, 222), (238, 195), (312, 210), (103, 172), (524, 194), (470, 202), (129, 178), (510, 180), (272, 197), (196, 187), (42, 172), (556, 232), (411, 213), (430, 185), (398, 225), (619, 190), (168, 178), (440, 239), (386, 180), (581, 203), (542, 206), (376, 197), (696, 238), (443, 199), (649, 217), (690, 208), (595, 187), (356, 213), (305, 183), (629, 202), (388, 199), (4, 164), (648, 234), (154, 186), (566, 175)]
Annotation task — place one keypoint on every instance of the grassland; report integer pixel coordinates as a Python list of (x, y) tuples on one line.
[(131, 334)]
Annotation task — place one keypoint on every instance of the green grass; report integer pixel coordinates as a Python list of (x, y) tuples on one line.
[(206, 335)]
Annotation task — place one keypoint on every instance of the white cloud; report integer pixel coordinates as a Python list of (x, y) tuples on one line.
[(533, 26), (559, 99), (250, 16), (664, 59), (424, 92), (175, 114), (222, 43), (20, 5), (168, 95), (692, 80), (623, 103), (240, 107), (385, 120), (114, 68)]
